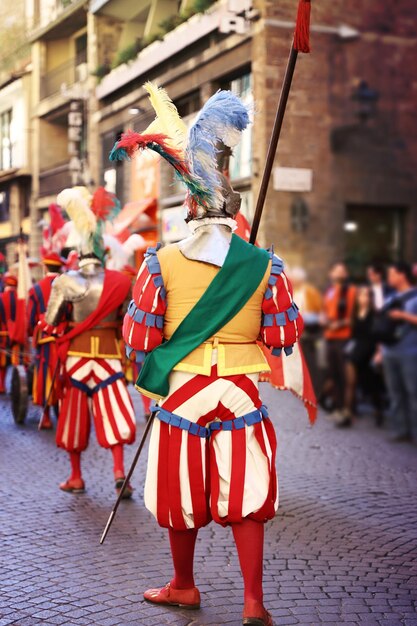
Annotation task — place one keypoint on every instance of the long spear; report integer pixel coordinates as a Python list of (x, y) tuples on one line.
[(300, 44), (128, 477)]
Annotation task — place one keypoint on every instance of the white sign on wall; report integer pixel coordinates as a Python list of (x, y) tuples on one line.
[(174, 227), (293, 179)]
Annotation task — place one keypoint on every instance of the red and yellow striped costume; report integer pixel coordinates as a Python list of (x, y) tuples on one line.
[(212, 449), (46, 352)]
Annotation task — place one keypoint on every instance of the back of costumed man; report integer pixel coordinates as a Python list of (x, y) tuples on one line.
[(198, 309), (84, 313), (46, 360)]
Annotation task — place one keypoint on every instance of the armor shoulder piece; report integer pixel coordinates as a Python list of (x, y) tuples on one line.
[(71, 285)]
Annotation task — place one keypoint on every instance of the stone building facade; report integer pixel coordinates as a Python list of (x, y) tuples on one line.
[(15, 135), (343, 185)]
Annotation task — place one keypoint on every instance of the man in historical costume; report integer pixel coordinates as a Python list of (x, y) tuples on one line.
[(84, 311), (46, 361), (2, 271), (9, 351), (198, 308)]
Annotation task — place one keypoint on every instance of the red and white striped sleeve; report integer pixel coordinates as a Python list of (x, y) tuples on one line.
[(144, 321), (282, 323)]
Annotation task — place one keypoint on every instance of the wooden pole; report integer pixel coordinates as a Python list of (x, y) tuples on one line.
[(128, 477), (289, 72), (300, 44)]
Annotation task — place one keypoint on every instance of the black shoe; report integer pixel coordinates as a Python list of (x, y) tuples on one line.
[(127, 494), (345, 423)]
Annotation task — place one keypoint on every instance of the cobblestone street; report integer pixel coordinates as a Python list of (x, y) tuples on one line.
[(342, 549)]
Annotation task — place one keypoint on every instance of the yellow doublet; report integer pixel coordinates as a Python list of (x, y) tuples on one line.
[(237, 352)]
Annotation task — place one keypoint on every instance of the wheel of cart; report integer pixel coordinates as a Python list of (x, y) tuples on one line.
[(19, 392)]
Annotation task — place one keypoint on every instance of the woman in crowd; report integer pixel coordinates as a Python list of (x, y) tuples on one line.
[(360, 352)]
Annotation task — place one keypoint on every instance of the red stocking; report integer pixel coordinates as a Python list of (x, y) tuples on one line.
[(249, 539), (118, 462), (75, 458), (2, 379), (182, 550)]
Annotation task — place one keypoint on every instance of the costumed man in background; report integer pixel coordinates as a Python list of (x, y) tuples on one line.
[(9, 352), (198, 309), (2, 271), (84, 311), (46, 355)]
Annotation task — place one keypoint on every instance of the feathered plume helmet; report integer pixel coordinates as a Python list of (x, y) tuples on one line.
[(89, 214), (193, 155)]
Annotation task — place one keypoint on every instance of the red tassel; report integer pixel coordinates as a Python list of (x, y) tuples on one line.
[(302, 27)]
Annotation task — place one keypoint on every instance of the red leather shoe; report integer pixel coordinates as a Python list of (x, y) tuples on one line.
[(168, 596), (256, 615), (73, 485), (45, 423)]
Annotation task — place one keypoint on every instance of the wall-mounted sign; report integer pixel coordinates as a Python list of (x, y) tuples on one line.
[(293, 179), (174, 227)]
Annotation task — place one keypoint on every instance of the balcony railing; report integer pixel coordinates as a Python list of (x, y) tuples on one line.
[(54, 180), (65, 75), (49, 13)]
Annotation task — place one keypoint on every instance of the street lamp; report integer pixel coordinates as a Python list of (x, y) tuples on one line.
[(366, 100)]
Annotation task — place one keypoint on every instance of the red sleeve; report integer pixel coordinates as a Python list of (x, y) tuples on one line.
[(282, 323), (144, 321)]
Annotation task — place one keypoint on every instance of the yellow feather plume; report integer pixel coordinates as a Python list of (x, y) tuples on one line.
[(167, 121), (76, 202)]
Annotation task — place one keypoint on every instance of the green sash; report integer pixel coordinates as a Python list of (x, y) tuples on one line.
[(229, 291)]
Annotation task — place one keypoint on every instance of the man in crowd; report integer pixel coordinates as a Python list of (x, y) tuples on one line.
[(380, 289), (339, 301), (310, 303), (400, 358)]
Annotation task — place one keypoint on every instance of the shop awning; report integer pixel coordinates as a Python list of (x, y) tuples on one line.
[(133, 218)]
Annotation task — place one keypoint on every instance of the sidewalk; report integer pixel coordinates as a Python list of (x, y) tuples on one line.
[(342, 550)]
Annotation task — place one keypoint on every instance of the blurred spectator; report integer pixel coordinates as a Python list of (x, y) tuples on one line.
[(400, 358), (339, 302), (380, 289), (310, 303), (360, 351)]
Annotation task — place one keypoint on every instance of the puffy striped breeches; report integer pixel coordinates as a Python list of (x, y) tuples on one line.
[(212, 453), (97, 387)]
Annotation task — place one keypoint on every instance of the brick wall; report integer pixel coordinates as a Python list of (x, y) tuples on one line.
[(373, 163)]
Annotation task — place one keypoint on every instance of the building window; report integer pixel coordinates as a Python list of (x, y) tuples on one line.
[(241, 159), (112, 172), (5, 140), (4, 206)]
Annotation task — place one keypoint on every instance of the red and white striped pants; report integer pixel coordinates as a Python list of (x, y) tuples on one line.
[(96, 386), (226, 476)]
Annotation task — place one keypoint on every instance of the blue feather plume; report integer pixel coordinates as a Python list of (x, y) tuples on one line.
[(223, 118)]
